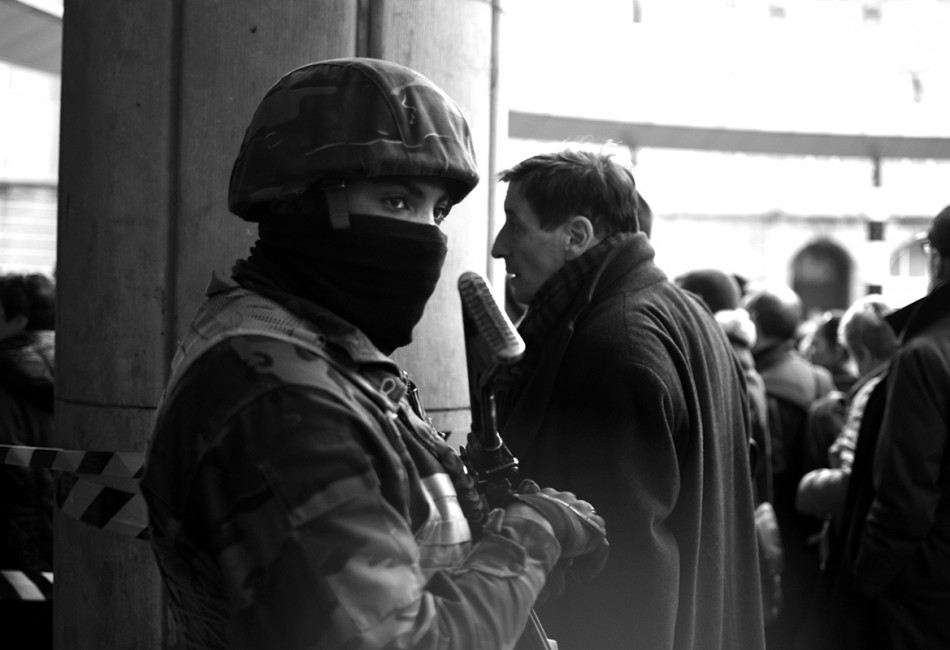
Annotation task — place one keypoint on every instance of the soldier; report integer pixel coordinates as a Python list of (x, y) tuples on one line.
[(298, 495)]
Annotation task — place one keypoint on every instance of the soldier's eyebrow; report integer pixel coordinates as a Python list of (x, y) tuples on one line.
[(413, 187)]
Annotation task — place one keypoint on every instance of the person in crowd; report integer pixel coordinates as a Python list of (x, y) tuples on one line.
[(628, 393), (903, 558), (828, 414), (721, 293), (298, 495), (824, 348), (792, 386), (27, 370), (740, 330), (717, 289), (871, 342)]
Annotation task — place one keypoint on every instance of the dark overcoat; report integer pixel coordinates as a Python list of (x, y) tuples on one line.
[(903, 560), (638, 405)]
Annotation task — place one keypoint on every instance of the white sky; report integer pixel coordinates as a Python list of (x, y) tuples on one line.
[(823, 68)]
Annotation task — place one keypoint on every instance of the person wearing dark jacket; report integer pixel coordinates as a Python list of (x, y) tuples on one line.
[(720, 291), (825, 349), (628, 392), (903, 557), (792, 385), (27, 362)]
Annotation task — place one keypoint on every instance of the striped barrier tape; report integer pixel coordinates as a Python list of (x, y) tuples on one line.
[(99, 463), (107, 508), (26, 585), (103, 507)]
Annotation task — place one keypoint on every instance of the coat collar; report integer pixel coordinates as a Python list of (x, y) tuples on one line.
[(634, 252), (910, 320), (630, 253), (338, 331)]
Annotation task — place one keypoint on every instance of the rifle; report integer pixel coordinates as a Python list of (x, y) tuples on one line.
[(491, 342)]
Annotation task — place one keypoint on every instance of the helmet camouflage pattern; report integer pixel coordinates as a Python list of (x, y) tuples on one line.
[(346, 118)]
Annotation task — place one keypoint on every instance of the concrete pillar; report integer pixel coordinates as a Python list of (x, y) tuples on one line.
[(155, 99)]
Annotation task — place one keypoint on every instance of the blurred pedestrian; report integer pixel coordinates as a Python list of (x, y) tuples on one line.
[(721, 294), (825, 349), (872, 343), (27, 370), (792, 386), (903, 559)]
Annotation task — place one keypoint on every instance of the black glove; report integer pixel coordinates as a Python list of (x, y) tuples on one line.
[(581, 532)]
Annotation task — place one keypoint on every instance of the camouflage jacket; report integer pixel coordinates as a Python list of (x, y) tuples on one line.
[(298, 498)]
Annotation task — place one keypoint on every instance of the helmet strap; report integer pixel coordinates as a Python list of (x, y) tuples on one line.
[(336, 204)]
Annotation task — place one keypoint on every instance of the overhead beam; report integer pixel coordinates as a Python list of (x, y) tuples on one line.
[(541, 126), (31, 35)]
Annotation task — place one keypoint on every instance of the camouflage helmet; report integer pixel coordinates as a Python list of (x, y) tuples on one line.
[(346, 118)]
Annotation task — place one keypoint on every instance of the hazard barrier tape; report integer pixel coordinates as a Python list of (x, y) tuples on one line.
[(26, 585), (104, 507), (99, 463)]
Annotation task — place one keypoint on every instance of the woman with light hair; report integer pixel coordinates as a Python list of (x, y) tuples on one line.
[(872, 343)]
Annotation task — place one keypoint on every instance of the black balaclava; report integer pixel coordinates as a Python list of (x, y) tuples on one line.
[(378, 273)]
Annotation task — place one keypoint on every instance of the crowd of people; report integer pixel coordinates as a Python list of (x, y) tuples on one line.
[(300, 497), (858, 461)]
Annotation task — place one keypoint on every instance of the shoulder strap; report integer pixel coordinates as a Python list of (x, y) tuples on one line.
[(240, 313)]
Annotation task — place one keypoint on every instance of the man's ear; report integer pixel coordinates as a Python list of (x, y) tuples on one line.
[(581, 236)]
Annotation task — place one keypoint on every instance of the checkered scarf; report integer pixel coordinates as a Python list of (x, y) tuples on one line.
[(546, 313)]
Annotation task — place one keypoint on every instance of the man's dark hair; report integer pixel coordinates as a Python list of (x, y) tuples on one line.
[(571, 182), (777, 312), (718, 289), (32, 295)]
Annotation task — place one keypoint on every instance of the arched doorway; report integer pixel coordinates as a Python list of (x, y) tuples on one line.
[(821, 276)]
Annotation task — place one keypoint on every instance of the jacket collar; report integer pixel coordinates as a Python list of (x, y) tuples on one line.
[(877, 371), (338, 331), (629, 253), (775, 353), (910, 320), (634, 251)]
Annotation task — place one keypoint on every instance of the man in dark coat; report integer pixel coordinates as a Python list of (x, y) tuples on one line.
[(903, 559), (628, 392)]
